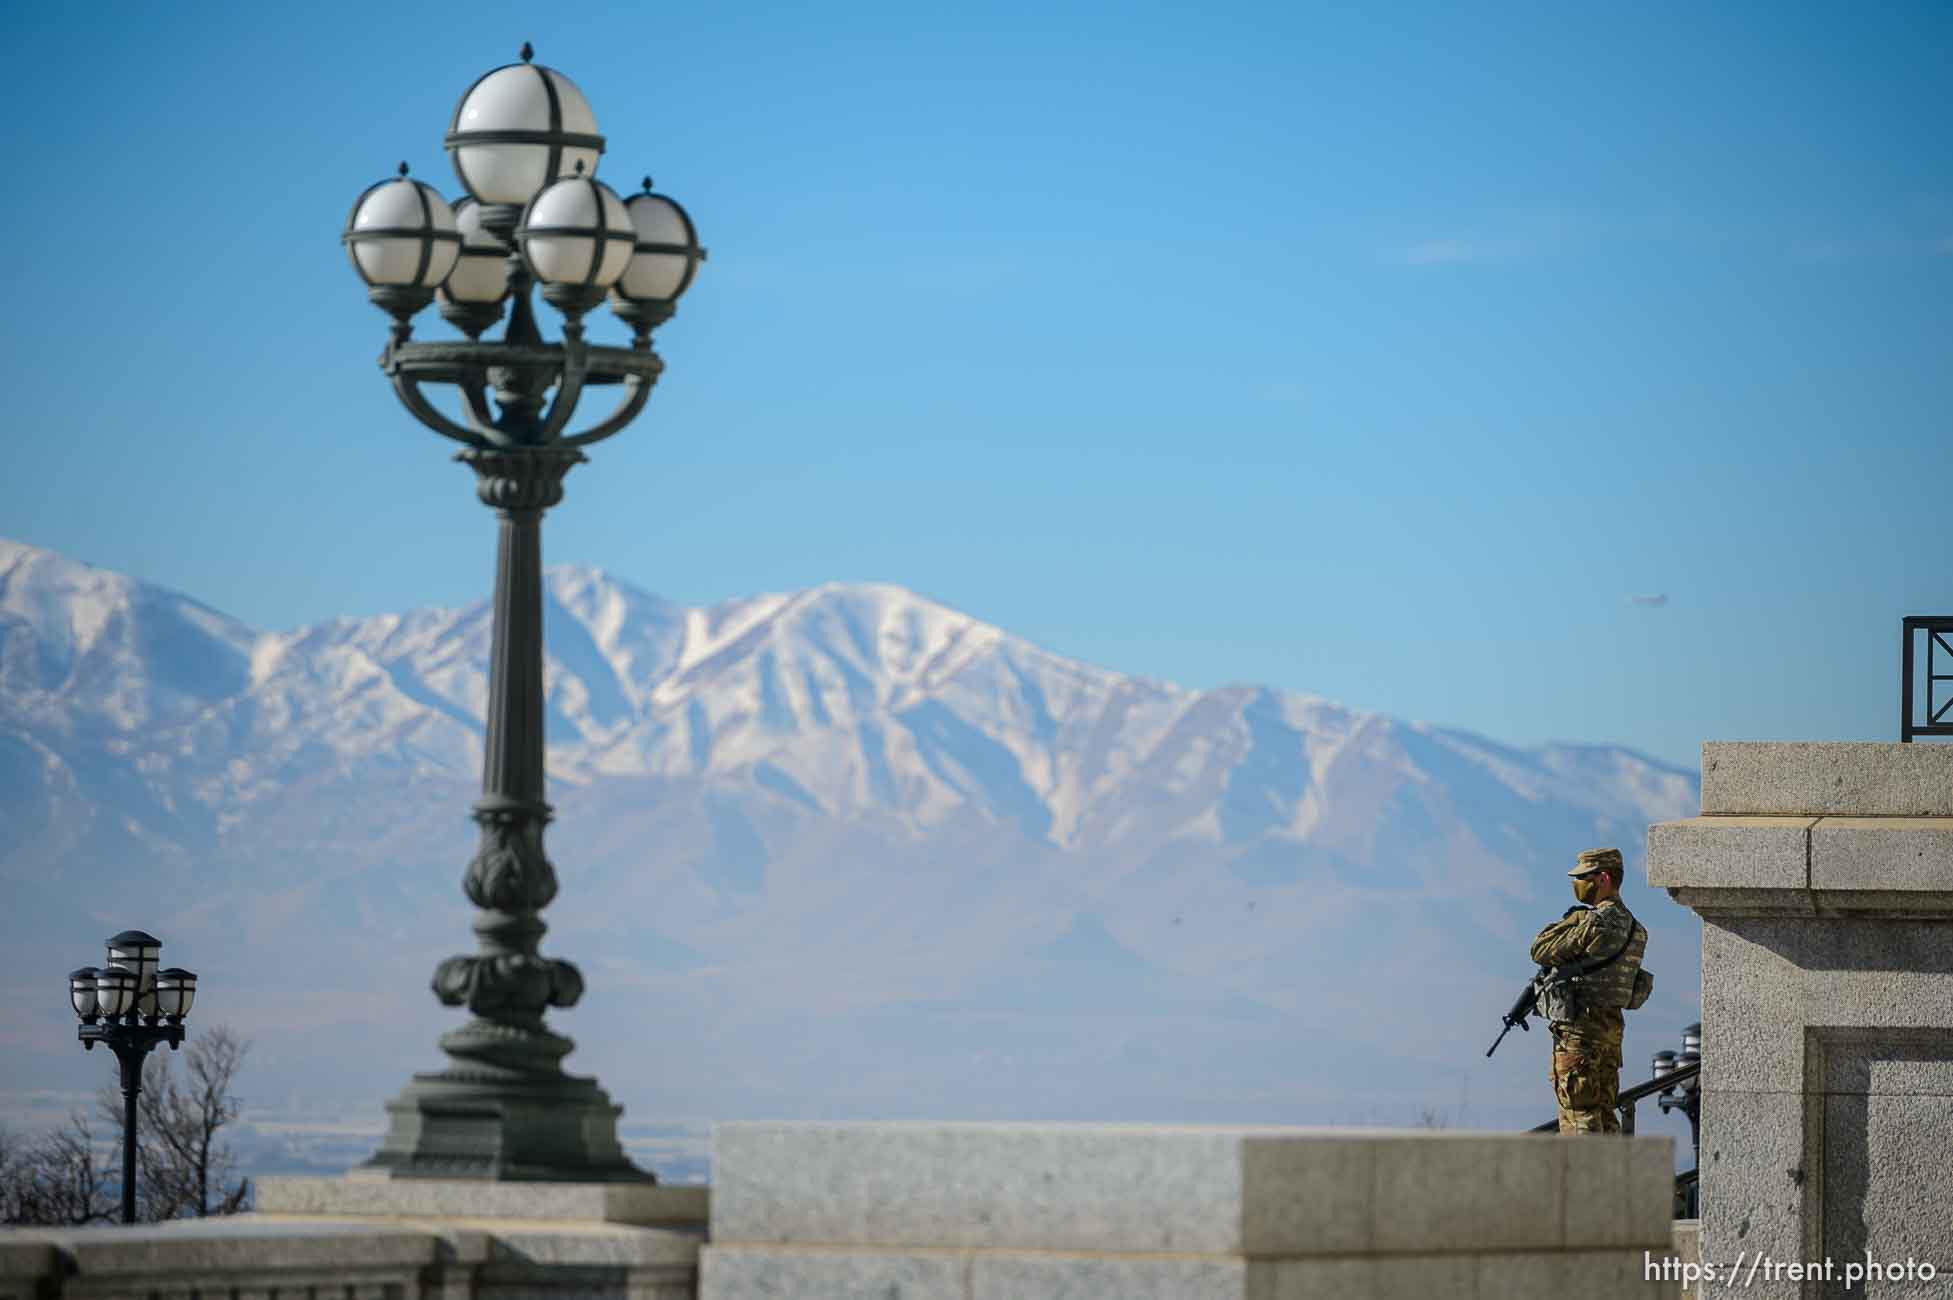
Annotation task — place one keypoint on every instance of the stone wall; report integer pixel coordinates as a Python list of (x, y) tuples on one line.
[(1044, 1212)]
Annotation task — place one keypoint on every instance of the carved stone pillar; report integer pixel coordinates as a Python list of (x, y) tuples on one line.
[(504, 1109), (1823, 874)]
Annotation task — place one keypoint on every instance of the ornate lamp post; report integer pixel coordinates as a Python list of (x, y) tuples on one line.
[(1685, 1096), (131, 1006), (525, 146)]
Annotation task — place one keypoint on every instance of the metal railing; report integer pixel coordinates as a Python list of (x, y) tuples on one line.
[(1627, 1100), (1936, 627)]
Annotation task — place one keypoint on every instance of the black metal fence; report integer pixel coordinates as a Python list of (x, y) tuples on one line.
[(1936, 630), (1683, 1077)]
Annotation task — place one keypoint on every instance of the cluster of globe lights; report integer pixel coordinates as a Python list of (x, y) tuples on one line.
[(525, 146), (130, 989)]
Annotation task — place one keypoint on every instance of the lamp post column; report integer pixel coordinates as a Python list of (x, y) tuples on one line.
[(129, 1056), (504, 1108), (507, 984)]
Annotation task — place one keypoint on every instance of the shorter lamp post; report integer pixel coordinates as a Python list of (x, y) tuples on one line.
[(131, 1006)]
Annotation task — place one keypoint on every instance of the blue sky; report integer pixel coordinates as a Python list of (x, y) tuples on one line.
[(1384, 352)]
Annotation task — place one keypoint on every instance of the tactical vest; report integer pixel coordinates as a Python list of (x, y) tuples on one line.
[(1618, 941), (1612, 986)]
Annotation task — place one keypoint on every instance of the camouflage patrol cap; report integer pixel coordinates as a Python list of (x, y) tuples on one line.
[(1592, 860)]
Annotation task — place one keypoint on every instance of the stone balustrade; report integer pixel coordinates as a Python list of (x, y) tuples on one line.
[(360, 1238)]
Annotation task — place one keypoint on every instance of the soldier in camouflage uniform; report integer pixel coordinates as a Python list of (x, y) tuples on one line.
[(1587, 1048)]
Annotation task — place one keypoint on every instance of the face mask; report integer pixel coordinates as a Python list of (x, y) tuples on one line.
[(1587, 890)]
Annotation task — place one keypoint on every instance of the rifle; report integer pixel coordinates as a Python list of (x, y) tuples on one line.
[(1525, 1005)]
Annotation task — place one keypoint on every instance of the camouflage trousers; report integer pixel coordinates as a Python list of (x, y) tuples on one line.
[(1587, 1072)]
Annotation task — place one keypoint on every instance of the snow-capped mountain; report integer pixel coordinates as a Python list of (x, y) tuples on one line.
[(849, 807)]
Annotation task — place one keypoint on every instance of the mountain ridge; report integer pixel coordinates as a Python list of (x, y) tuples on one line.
[(850, 806)]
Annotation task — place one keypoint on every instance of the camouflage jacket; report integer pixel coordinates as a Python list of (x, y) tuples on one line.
[(1596, 932)]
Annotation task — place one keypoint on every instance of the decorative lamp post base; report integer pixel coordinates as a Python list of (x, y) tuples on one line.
[(560, 1129)]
